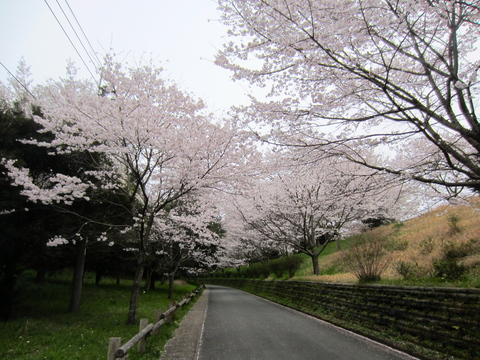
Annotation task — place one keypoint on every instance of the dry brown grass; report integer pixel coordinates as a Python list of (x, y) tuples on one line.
[(427, 234), (420, 240), (343, 278)]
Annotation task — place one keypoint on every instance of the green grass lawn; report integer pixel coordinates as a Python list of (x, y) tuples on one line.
[(43, 329)]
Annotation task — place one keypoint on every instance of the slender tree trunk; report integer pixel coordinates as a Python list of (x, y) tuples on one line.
[(7, 290), (316, 267), (41, 274), (153, 277), (118, 277), (171, 279), (148, 277), (137, 284), (77, 282)]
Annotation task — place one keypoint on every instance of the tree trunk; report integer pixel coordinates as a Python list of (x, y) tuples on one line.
[(77, 282), (148, 277), (7, 290), (171, 279), (137, 284), (316, 267), (153, 277), (118, 277), (41, 274), (98, 276)]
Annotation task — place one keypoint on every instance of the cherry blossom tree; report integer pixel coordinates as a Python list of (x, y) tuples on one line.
[(346, 76), (243, 244), (160, 143), (305, 208), (183, 238), (25, 226)]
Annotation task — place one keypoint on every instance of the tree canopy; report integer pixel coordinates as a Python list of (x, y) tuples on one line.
[(354, 75)]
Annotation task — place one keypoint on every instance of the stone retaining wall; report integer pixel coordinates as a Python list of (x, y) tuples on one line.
[(433, 321)]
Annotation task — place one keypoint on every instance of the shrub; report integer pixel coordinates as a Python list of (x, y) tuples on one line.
[(448, 269), (453, 221), (427, 246), (366, 257), (257, 271), (375, 222), (407, 270), (277, 267), (292, 264), (287, 264)]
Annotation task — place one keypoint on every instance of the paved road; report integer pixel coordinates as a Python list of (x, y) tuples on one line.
[(242, 326)]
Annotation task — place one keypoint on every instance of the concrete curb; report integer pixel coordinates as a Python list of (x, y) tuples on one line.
[(185, 344)]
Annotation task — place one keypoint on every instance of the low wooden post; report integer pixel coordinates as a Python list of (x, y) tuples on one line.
[(142, 343), (170, 317), (113, 345), (158, 317)]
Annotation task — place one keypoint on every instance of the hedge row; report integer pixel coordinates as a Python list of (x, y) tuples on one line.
[(439, 323), (284, 267)]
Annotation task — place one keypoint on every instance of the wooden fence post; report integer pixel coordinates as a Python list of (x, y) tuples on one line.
[(113, 345), (158, 317), (172, 314), (142, 344)]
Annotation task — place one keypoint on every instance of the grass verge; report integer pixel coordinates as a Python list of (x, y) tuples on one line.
[(43, 329)]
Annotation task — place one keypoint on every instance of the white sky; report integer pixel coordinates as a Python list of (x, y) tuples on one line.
[(182, 36)]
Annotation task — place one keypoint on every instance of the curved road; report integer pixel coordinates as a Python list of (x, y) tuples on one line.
[(239, 325)]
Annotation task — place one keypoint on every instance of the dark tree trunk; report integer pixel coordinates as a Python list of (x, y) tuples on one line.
[(7, 290), (98, 276), (148, 277), (171, 279), (41, 274), (316, 267), (77, 282), (137, 284), (153, 277)]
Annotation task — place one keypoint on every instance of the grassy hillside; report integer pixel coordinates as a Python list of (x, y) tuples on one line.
[(414, 247)]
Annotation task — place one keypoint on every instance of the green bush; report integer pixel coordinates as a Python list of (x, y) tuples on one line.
[(449, 269), (292, 264), (257, 271), (287, 264), (407, 270), (448, 266), (277, 267)]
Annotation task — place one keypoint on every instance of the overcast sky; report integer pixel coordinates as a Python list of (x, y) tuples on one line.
[(182, 36)]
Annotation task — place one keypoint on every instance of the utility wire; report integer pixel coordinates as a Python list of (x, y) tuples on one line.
[(22, 85), (76, 34), (71, 42), (99, 63)]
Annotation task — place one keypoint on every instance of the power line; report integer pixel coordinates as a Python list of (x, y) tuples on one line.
[(76, 34), (99, 63), (22, 85), (71, 42)]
